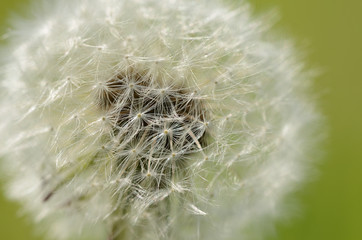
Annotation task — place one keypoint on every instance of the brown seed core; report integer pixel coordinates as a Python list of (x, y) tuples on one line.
[(158, 124)]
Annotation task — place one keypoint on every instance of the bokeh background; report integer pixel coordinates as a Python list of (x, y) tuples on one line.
[(330, 207)]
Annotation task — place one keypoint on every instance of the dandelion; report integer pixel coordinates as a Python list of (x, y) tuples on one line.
[(151, 119)]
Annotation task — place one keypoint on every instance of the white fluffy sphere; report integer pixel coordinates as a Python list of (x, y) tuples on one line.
[(151, 119)]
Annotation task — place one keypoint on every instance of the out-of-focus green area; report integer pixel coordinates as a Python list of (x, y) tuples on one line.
[(331, 206)]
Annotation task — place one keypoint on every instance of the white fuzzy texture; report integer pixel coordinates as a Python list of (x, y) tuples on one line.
[(105, 104)]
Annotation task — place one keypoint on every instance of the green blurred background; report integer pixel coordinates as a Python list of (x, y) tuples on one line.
[(331, 206)]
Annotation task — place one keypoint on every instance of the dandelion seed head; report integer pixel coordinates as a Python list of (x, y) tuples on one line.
[(152, 119)]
